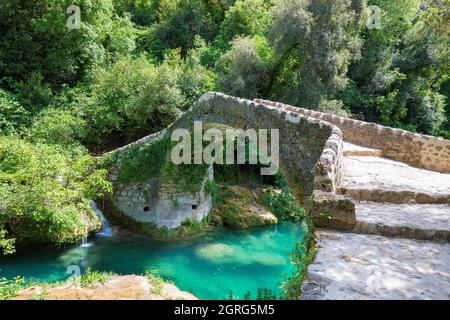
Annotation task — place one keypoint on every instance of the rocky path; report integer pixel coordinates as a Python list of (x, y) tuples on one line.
[(400, 246)]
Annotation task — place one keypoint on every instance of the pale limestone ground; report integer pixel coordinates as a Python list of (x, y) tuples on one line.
[(353, 266), (128, 287), (420, 216), (381, 173)]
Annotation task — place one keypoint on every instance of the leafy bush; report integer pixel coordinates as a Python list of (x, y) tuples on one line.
[(245, 18), (284, 204), (181, 21), (11, 288), (34, 94), (141, 163), (45, 193), (244, 70), (132, 97), (14, 118), (58, 127)]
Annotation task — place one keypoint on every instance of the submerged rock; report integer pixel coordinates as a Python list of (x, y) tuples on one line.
[(217, 252), (245, 254)]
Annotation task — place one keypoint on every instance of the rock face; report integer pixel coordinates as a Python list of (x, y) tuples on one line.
[(241, 211), (129, 287)]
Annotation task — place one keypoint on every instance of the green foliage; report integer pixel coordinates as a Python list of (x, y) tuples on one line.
[(179, 23), (35, 38), (33, 93), (11, 288), (157, 283), (91, 278), (140, 163), (136, 90), (143, 12), (189, 177), (194, 79), (58, 127), (403, 66), (85, 104), (6, 244), (133, 97), (245, 18), (301, 256), (212, 189), (14, 118), (318, 39), (284, 204), (45, 193), (244, 70)]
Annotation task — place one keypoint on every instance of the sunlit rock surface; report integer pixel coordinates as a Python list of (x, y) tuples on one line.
[(129, 287)]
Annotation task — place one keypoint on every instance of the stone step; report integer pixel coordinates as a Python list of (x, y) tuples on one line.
[(351, 149), (412, 221), (393, 196), (353, 266), (384, 180)]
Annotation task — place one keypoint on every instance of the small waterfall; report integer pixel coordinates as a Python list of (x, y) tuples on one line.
[(106, 228), (85, 243)]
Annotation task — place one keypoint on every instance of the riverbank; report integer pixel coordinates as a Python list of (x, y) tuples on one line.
[(111, 287)]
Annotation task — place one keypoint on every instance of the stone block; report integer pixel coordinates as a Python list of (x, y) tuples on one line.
[(334, 211)]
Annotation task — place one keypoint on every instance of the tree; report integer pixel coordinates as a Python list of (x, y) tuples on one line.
[(315, 41), (245, 18), (181, 21), (244, 70), (403, 67), (35, 38), (45, 193)]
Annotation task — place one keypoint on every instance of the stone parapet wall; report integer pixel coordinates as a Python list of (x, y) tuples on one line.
[(418, 150)]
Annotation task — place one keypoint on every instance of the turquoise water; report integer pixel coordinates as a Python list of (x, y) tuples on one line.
[(208, 267)]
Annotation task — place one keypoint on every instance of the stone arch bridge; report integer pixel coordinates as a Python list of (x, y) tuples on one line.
[(387, 188)]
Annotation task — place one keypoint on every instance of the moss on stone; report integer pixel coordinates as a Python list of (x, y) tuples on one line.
[(140, 163), (236, 210)]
